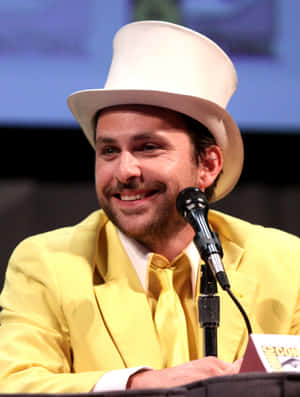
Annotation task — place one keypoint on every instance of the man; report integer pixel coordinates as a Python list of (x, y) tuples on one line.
[(110, 303)]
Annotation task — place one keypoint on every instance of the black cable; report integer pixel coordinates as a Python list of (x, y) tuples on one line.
[(241, 309)]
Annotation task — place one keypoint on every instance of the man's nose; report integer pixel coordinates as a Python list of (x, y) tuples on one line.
[(129, 167)]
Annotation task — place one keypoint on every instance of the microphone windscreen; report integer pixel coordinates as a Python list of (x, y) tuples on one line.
[(189, 198)]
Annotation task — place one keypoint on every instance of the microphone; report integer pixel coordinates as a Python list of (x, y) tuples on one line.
[(192, 205)]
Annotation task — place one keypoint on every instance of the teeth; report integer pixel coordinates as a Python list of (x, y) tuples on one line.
[(132, 198)]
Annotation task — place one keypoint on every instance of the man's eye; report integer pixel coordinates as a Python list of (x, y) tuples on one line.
[(149, 147), (108, 150)]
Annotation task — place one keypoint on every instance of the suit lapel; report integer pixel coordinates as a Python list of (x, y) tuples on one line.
[(232, 331), (123, 303)]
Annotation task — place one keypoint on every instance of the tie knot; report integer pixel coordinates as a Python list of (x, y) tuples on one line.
[(159, 261), (180, 263), (166, 275)]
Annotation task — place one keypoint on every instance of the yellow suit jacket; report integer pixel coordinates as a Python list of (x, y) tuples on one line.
[(74, 307)]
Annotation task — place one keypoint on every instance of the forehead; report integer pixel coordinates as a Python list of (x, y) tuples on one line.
[(133, 118)]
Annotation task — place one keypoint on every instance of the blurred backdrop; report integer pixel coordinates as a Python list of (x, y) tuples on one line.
[(51, 48)]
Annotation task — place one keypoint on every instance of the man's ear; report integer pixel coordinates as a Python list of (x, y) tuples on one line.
[(210, 165)]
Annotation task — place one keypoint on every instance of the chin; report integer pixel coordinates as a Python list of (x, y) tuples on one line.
[(135, 231), (146, 225)]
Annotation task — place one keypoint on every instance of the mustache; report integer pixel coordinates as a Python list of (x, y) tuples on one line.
[(134, 185)]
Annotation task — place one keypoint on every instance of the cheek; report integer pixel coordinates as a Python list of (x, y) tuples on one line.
[(180, 167), (168, 164), (169, 170), (103, 175)]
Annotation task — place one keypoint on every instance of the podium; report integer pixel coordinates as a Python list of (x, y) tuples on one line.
[(257, 384)]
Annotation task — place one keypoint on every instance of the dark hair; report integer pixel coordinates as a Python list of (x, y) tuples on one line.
[(95, 121), (201, 139)]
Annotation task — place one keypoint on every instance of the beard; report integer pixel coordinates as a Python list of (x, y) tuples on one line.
[(165, 222)]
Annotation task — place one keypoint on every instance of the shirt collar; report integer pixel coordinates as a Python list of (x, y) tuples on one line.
[(139, 256)]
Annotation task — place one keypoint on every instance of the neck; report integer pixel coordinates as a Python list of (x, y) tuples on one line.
[(171, 246)]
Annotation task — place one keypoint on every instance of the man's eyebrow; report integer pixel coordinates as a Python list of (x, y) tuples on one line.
[(140, 136), (101, 140), (143, 136)]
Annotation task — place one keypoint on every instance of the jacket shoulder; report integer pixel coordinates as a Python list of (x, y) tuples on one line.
[(245, 233), (61, 244), (63, 236)]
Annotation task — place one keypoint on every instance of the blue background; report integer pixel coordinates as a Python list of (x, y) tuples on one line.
[(51, 48)]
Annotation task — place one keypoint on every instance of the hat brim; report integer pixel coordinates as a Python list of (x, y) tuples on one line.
[(85, 104)]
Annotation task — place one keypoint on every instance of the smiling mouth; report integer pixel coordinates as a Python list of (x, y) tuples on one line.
[(135, 197)]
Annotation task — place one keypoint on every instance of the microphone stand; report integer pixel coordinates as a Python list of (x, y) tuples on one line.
[(209, 311), (192, 204)]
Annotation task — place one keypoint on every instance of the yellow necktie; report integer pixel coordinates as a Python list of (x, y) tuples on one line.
[(174, 313)]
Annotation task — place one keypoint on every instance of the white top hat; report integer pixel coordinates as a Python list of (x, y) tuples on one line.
[(163, 64)]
